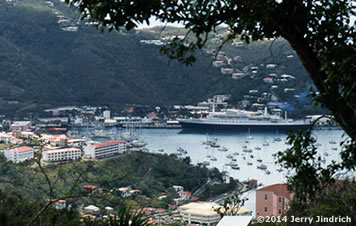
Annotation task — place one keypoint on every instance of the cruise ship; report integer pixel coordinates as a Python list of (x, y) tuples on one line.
[(234, 119)]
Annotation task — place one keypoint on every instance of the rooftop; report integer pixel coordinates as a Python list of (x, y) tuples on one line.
[(278, 189), (23, 148), (108, 143)]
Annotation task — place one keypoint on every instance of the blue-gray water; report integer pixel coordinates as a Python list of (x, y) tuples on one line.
[(171, 139)]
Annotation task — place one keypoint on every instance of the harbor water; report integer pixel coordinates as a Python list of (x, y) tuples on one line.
[(260, 146)]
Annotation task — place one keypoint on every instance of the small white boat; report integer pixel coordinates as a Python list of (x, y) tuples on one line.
[(222, 149), (332, 142), (180, 150), (265, 144), (249, 163), (268, 172), (259, 160), (257, 148), (229, 156), (235, 153), (204, 163), (262, 167), (213, 159), (247, 150), (277, 139)]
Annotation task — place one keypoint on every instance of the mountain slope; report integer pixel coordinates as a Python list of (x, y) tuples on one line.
[(42, 65)]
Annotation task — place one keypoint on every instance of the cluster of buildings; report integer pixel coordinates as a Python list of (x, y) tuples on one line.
[(54, 147)]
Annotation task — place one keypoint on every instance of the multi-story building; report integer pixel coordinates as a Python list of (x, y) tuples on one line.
[(204, 213), (63, 154), (201, 213), (19, 154), (105, 149), (20, 126), (273, 200)]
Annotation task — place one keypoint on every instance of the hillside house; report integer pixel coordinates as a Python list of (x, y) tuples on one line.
[(268, 80), (227, 70), (273, 200), (218, 63), (238, 75)]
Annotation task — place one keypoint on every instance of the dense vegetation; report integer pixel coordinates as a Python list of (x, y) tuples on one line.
[(42, 65), (154, 175)]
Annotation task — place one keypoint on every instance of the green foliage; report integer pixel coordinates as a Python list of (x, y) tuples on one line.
[(137, 170), (19, 210), (307, 176), (124, 217), (43, 65), (338, 199)]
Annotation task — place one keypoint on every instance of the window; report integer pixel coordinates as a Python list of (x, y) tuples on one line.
[(280, 199), (265, 197), (279, 211), (265, 209)]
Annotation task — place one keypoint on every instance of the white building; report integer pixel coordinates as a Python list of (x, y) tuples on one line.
[(105, 150), (204, 213), (6, 138), (19, 154), (200, 213), (64, 154), (107, 114)]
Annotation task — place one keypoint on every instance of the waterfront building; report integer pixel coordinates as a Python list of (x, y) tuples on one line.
[(107, 114), (273, 200), (105, 149), (20, 126), (19, 154), (63, 154)]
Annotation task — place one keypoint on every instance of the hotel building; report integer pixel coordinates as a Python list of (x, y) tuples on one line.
[(105, 149), (19, 154), (64, 154)]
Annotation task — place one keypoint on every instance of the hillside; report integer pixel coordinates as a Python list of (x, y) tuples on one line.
[(48, 59)]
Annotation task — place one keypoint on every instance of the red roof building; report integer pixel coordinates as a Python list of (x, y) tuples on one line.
[(19, 154), (273, 200)]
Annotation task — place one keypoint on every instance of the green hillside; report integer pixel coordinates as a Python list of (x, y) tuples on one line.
[(42, 65)]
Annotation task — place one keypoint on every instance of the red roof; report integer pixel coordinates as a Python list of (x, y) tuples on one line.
[(90, 186), (278, 189), (267, 79), (23, 148), (61, 150), (194, 198), (108, 143)]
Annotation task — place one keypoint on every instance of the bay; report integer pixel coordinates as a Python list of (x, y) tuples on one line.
[(236, 142)]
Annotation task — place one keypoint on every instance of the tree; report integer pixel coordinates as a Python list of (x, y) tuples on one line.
[(320, 32)]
